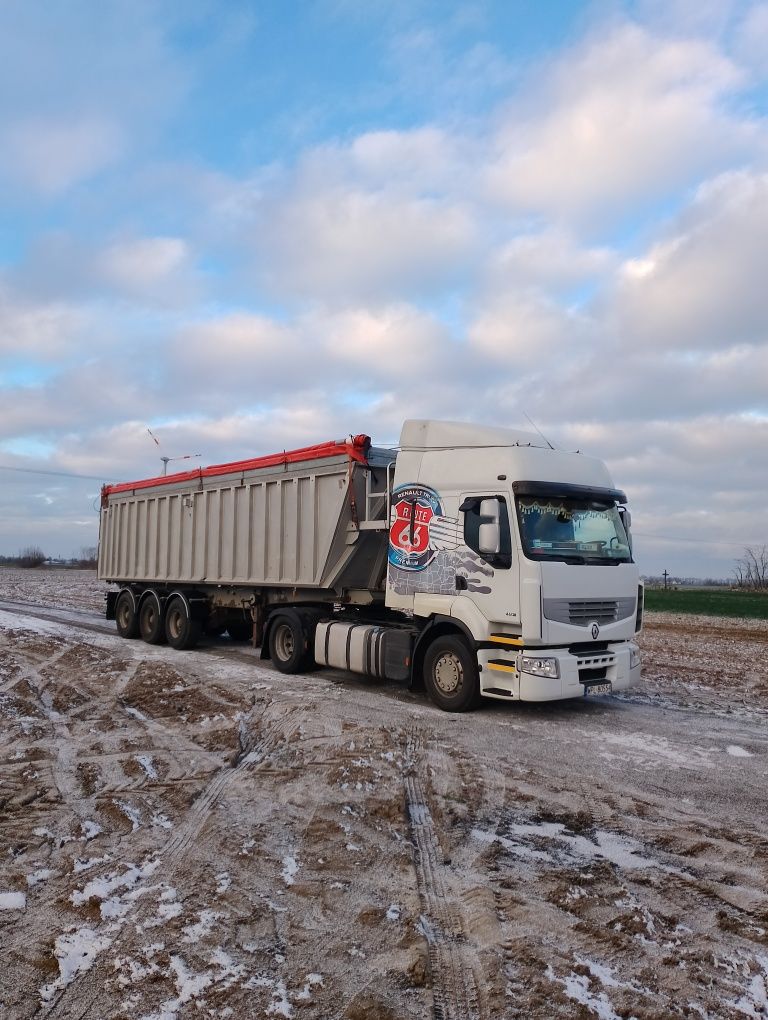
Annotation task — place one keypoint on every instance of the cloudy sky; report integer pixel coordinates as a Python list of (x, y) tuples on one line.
[(256, 225)]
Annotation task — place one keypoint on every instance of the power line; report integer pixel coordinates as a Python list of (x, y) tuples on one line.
[(57, 474)]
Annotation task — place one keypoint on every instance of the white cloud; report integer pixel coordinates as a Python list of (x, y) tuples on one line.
[(751, 39), (51, 155), (524, 330), (551, 259), (702, 287), (30, 329), (143, 261), (421, 159), (157, 269), (330, 240), (79, 89), (390, 344), (628, 115)]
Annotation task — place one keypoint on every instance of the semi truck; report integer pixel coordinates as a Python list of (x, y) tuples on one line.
[(477, 562)]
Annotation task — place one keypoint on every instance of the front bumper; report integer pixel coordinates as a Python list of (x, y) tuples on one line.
[(501, 676)]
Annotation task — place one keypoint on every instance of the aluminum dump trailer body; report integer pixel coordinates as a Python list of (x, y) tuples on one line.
[(304, 519)]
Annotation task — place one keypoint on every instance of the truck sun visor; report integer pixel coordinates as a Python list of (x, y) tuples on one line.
[(566, 490)]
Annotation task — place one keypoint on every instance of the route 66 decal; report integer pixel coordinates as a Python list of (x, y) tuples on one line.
[(413, 508)]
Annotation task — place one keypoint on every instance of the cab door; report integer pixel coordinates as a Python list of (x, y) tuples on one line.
[(484, 565)]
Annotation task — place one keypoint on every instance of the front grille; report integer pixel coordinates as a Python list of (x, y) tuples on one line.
[(588, 676), (592, 661), (582, 612)]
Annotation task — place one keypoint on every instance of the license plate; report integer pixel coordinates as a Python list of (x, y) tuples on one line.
[(597, 689)]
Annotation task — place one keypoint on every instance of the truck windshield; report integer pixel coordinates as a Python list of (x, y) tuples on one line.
[(572, 530)]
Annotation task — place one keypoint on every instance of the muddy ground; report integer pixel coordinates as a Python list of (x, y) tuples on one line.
[(195, 835)]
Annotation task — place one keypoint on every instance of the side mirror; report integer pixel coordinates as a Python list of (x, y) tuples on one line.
[(626, 520), (489, 532)]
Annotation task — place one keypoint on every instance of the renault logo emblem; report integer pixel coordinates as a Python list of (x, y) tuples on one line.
[(595, 631)]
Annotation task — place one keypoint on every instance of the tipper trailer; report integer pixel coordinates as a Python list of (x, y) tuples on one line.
[(478, 561)]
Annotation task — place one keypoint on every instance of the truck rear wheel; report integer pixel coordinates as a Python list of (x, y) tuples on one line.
[(126, 617), (181, 631), (151, 620), (450, 675), (287, 644)]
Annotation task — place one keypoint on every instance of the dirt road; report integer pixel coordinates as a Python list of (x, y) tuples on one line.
[(195, 835)]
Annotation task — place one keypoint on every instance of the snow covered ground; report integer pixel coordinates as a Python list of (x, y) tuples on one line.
[(195, 835)]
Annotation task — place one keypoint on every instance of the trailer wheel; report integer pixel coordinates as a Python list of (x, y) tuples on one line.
[(126, 618), (450, 675), (151, 620), (286, 644), (181, 631)]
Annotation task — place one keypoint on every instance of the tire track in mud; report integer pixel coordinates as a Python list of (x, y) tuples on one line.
[(89, 985), (454, 968), (65, 780), (321, 683), (64, 774)]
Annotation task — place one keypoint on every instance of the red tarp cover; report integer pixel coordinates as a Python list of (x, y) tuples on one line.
[(355, 448)]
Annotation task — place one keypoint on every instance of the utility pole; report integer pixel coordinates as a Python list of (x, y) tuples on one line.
[(665, 576)]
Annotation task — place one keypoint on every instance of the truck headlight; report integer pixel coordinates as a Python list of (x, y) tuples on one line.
[(634, 655), (539, 666)]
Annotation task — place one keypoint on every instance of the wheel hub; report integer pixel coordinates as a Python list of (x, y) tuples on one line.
[(449, 673), (284, 642)]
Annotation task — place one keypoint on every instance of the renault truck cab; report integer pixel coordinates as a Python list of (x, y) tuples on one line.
[(521, 551)]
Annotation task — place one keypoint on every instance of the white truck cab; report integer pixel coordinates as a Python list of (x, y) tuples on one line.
[(523, 549)]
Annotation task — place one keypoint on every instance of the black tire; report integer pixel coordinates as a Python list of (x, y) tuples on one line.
[(126, 617), (181, 631), (151, 625), (287, 644), (450, 675), (240, 630)]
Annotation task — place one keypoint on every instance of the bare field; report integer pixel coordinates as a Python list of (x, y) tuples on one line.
[(196, 835)]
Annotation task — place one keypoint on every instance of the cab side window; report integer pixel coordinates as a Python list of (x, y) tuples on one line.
[(472, 508)]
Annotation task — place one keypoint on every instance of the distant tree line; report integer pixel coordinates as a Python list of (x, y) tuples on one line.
[(33, 556), (675, 581), (751, 571)]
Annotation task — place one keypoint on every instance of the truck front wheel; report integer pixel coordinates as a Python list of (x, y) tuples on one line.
[(181, 631), (287, 644), (450, 675)]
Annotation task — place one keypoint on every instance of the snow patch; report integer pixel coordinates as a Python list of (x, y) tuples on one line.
[(85, 863), (738, 752), (41, 875), (755, 1002), (577, 988), (147, 765), (130, 812), (290, 868), (102, 888), (13, 900), (90, 829), (203, 927), (310, 981), (75, 950)]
